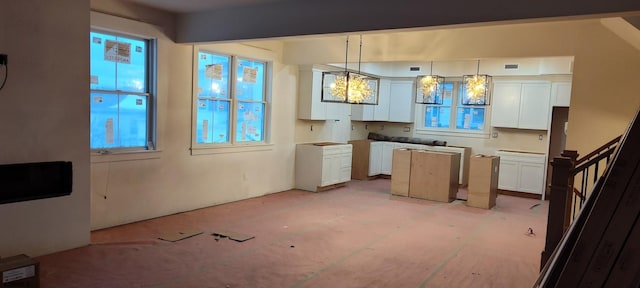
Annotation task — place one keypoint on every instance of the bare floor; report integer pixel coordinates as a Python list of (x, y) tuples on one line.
[(354, 236)]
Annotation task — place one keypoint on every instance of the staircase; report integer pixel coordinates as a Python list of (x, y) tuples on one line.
[(593, 231)]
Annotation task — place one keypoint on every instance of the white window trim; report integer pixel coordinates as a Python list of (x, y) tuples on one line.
[(232, 146), (152, 99), (102, 156), (452, 131)]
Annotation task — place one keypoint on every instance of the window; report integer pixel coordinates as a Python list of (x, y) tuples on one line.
[(121, 98), (452, 115), (230, 110)]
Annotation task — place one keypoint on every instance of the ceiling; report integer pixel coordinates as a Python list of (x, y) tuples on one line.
[(189, 6)]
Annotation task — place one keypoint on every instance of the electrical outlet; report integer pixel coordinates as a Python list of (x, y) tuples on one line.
[(540, 137), (494, 135), (406, 129)]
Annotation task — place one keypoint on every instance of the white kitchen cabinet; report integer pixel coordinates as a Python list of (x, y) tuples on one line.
[(401, 104), (361, 112), (387, 157), (521, 171), (319, 165), (534, 106), (375, 158), (509, 175), (521, 105), (561, 94), (380, 112), (310, 105), (505, 105)]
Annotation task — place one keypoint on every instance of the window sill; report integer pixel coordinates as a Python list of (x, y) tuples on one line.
[(125, 156), (195, 151), (451, 133)]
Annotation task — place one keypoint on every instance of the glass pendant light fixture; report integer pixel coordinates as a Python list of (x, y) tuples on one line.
[(477, 88), (349, 87), (430, 88)]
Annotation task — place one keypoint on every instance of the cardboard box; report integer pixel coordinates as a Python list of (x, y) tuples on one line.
[(400, 172), (20, 271), (483, 181), (434, 175)]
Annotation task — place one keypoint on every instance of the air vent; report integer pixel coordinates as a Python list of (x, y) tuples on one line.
[(510, 66), (414, 68)]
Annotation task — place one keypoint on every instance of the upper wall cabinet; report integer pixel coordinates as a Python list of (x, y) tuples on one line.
[(401, 104), (521, 105), (561, 94), (395, 103), (378, 112), (310, 106)]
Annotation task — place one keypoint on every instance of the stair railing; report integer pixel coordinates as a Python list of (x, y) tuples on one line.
[(566, 200)]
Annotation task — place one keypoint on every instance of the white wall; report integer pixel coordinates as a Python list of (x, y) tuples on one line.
[(44, 112), (172, 180)]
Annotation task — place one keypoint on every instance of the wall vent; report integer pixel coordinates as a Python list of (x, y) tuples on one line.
[(414, 68), (510, 66)]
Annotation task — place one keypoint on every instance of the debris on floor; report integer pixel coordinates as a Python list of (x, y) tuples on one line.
[(239, 237), (530, 232), (177, 236)]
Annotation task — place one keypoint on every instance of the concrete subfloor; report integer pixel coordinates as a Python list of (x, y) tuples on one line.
[(354, 236)]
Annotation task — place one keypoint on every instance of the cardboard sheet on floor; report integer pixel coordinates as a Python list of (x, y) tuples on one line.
[(177, 236), (232, 235)]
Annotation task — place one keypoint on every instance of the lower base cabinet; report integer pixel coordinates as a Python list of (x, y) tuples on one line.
[(372, 158), (521, 171), (321, 165), (483, 181), (401, 172), (434, 175)]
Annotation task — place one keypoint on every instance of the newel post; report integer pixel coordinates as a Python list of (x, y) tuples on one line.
[(558, 202), (573, 155)]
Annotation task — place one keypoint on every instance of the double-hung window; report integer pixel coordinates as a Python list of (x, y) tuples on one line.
[(231, 100), (121, 92), (452, 116)]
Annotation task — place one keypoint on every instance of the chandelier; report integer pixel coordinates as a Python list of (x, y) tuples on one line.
[(349, 87), (430, 88), (476, 88)]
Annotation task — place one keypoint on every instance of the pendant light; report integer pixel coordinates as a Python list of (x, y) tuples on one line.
[(430, 88), (349, 87), (477, 88)]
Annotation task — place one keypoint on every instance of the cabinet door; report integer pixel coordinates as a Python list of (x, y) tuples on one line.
[(309, 88), (561, 94), (381, 111), (330, 169), (345, 168), (337, 111), (508, 175), (362, 112), (401, 104), (505, 105), (375, 158), (531, 178), (534, 106), (387, 157)]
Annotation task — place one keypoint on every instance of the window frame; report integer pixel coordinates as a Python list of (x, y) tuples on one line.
[(150, 94), (456, 104), (232, 145)]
